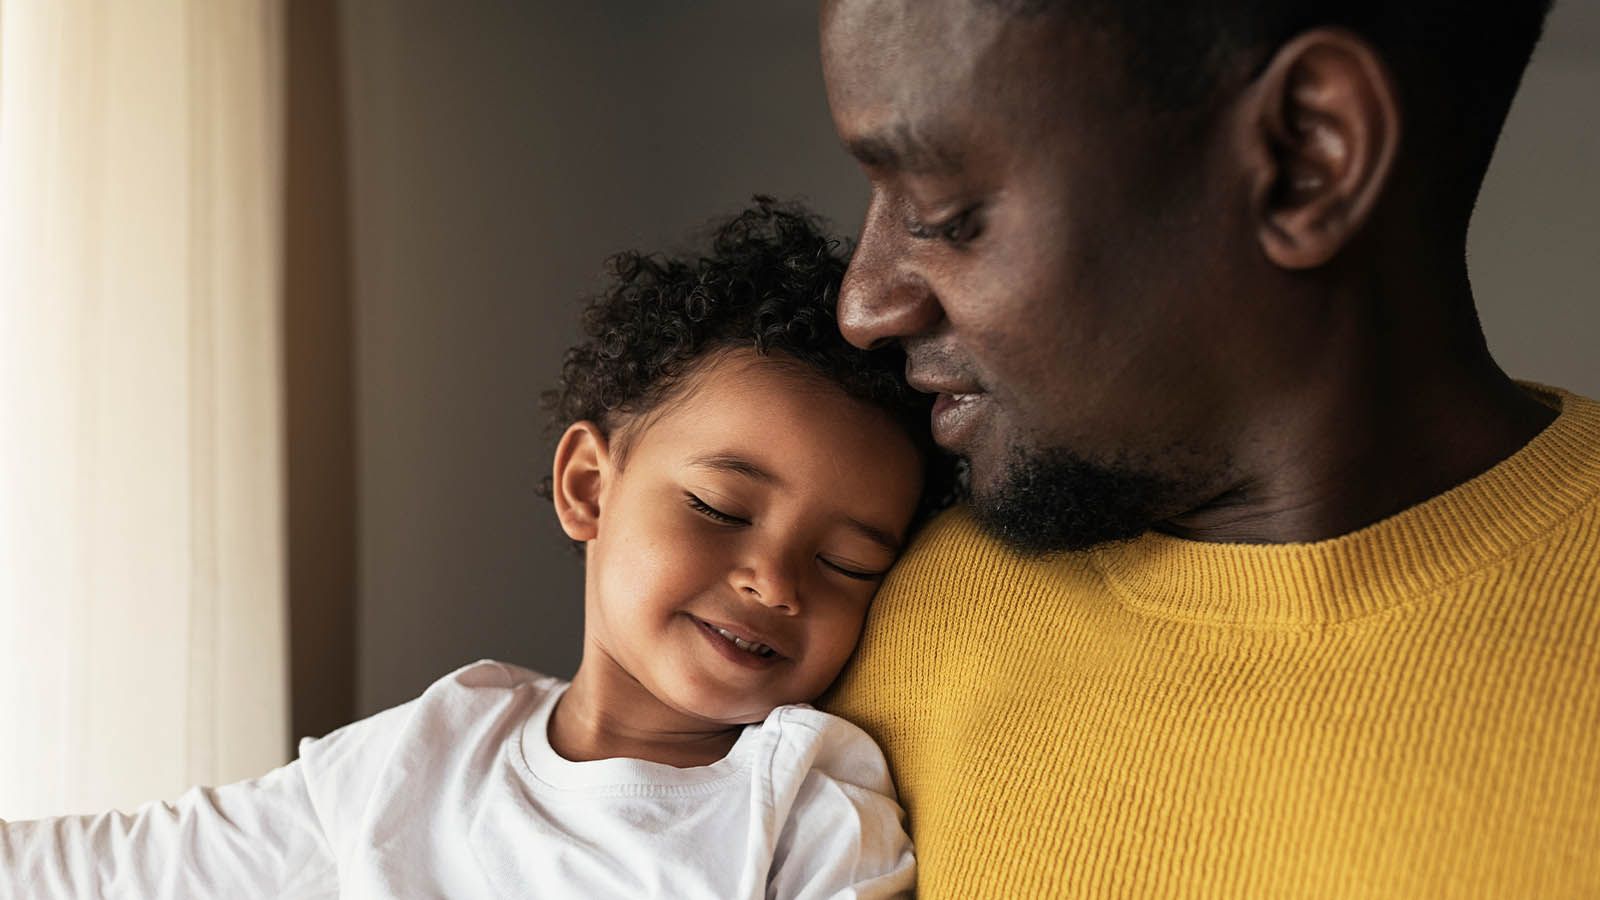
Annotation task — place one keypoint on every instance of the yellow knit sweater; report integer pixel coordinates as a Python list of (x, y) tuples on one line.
[(1412, 710)]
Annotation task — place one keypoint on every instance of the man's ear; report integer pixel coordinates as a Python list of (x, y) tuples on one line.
[(1325, 128), (581, 469)]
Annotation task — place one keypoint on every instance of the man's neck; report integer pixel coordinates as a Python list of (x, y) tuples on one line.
[(1399, 424)]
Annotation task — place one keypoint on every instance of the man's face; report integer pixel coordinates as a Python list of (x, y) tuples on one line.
[(742, 539), (1048, 257)]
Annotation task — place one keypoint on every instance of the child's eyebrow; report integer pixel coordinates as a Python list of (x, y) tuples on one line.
[(875, 535), (737, 465)]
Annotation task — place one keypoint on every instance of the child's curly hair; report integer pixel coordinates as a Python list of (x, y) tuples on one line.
[(769, 283)]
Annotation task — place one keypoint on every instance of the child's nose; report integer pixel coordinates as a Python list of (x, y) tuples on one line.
[(769, 584)]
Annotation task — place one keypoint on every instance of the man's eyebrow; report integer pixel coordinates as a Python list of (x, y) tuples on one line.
[(735, 464), (899, 150)]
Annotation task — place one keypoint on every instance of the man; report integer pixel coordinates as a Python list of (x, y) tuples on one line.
[(1272, 583)]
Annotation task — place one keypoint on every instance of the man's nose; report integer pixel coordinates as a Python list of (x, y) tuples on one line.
[(883, 298)]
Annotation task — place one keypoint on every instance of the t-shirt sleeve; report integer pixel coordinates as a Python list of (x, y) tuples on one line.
[(844, 836), (257, 838), (342, 771)]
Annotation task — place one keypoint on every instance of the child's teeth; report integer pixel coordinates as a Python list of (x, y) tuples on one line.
[(742, 644)]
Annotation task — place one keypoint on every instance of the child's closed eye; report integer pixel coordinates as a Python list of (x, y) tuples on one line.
[(848, 572), (711, 512)]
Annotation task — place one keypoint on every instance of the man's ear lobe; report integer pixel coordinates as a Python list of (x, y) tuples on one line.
[(581, 469), (1327, 123)]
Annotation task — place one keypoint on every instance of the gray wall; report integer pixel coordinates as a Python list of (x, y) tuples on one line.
[(499, 151), (1534, 249)]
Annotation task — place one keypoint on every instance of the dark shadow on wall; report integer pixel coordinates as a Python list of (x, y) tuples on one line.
[(319, 389)]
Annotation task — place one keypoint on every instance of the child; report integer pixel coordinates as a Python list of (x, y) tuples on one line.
[(739, 480)]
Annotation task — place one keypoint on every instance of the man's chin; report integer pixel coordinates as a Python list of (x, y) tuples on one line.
[(1047, 502)]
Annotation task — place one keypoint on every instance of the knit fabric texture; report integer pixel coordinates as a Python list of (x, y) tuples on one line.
[(1410, 710)]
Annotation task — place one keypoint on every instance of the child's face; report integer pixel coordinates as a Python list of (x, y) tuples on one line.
[(762, 505)]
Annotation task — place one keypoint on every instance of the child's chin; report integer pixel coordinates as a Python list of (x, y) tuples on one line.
[(725, 709), (742, 715)]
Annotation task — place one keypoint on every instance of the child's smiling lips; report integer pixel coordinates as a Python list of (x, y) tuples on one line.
[(740, 644)]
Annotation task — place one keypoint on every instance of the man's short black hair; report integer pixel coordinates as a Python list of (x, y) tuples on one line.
[(1461, 60), (768, 282)]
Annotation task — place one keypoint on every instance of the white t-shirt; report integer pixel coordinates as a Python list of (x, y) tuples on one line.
[(458, 794)]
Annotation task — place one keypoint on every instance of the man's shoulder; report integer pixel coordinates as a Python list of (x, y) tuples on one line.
[(951, 529), (953, 557), (1545, 502)]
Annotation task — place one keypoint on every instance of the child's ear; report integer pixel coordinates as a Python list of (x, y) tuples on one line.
[(582, 465)]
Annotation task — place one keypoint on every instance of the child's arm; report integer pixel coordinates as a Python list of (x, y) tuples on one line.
[(256, 839), (278, 836), (844, 836)]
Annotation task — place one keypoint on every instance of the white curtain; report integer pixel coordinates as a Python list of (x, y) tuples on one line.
[(142, 608)]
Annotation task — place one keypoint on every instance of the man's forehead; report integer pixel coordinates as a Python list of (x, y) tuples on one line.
[(925, 19), (908, 44), (900, 73)]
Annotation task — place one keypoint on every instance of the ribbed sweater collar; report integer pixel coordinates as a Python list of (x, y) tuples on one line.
[(1416, 552)]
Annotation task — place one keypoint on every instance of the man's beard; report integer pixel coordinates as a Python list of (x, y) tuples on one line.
[(1054, 501)]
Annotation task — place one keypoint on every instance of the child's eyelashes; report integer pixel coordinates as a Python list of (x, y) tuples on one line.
[(711, 512), (851, 573), (716, 515)]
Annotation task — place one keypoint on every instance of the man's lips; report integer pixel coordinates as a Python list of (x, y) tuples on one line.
[(955, 418), (941, 384), (957, 406)]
